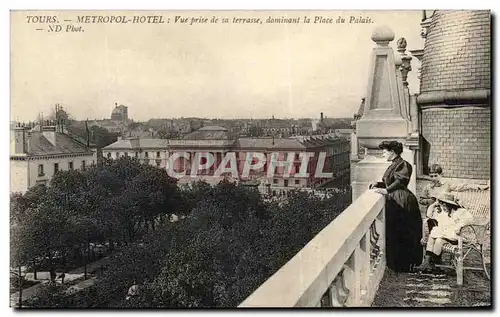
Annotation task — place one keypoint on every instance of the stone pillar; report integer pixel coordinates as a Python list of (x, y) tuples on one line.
[(419, 54), (354, 146), (416, 119), (188, 163), (413, 141), (382, 117), (405, 68), (426, 22), (398, 63), (411, 145)]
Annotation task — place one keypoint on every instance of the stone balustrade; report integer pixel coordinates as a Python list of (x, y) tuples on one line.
[(342, 266)]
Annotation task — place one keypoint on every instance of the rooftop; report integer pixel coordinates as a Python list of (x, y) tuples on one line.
[(38, 144), (136, 143), (269, 143), (210, 133), (212, 128)]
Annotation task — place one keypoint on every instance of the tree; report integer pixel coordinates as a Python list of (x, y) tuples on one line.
[(191, 195), (49, 296), (59, 114), (101, 137), (230, 242), (18, 257), (152, 193), (205, 272)]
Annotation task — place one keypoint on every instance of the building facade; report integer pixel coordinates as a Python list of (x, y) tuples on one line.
[(147, 151), (218, 141), (37, 153)]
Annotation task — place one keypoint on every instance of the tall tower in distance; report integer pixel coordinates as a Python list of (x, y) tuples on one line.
[(119, 113)]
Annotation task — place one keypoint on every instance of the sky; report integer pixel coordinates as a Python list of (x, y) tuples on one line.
[(202, 70)]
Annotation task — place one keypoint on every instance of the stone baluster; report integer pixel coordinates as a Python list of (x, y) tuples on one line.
[(365, 248), (338, 293), (353, 275)]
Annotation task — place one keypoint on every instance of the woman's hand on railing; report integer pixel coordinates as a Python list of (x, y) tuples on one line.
[(372, 185), (382, 191)]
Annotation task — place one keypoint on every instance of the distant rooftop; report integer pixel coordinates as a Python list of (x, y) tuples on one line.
[(212, 128), (137, 143), (210, 133), (38, 144), (269, 143)]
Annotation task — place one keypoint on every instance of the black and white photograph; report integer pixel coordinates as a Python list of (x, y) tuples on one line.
[(250, 159)]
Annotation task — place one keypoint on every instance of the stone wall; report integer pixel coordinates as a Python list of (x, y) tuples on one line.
[(455, 94), (457, 51), (459, 140)]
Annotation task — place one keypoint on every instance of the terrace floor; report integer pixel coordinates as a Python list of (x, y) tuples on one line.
[(426, 290), (434, 290)]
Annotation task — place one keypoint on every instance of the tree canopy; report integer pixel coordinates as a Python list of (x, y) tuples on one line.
[(227, 243)]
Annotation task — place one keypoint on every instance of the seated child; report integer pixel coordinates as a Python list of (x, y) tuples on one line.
[(450, 218), (439, 184)]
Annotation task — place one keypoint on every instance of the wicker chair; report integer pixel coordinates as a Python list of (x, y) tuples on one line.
[(474, 237)]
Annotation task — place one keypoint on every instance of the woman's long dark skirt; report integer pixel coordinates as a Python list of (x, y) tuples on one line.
[(403, 231)]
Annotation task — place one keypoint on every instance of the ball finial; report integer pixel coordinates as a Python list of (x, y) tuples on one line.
[(382, 35)]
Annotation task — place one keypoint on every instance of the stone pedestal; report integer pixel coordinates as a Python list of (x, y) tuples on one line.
[(370, 169), (385, 115)]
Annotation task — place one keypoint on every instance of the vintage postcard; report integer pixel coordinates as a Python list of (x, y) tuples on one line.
[(243, 159)]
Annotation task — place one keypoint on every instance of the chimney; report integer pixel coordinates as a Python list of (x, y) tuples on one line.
[(49, 132), (20, 139), (88, 132), (322, 117)]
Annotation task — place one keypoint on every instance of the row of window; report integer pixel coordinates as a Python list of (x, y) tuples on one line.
[(41, 171), (337, 150), (285, 182), (146, 154), (158, 154)]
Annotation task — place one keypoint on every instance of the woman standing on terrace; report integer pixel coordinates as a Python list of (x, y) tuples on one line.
[(403, 229)]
